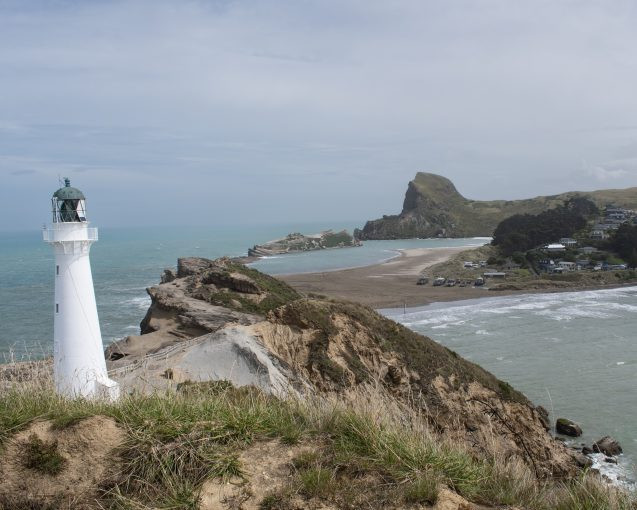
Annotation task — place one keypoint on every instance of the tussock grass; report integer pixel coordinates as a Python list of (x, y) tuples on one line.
[(362, 439)]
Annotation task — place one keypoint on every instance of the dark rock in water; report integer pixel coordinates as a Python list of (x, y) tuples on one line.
[(583, 461), (568, 428), (608, 446), (587, 450), (610, 460), (168, 276)]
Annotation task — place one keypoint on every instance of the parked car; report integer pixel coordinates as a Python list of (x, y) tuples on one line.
[(451, 283), (438, 282), (423, 280), (479, 282)]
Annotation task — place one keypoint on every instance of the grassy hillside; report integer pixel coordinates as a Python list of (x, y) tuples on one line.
[(213, 446), (433, 206)]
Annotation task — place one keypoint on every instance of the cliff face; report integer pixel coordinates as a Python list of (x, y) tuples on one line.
[(220, 320), (434, 208)]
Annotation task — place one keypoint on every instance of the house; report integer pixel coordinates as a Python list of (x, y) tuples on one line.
[(598, 234), (583, 263), (555, 248), (567, 266), (605, 226), (546, 265), (568, 242), (587, 250), (495, 274)]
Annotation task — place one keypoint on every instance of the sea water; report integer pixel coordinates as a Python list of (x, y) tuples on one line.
[(575, 353), (127, 261)]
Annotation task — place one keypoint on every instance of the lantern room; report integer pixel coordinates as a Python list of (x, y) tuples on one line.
[(69, 204)]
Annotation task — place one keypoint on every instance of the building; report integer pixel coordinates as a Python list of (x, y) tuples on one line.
[(555, 248), (568, 242), (587, 250), (567, 266), (79, 366), (598, 235)]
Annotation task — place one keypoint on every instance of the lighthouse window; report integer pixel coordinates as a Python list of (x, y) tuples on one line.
[(57, 270), (57, 308)]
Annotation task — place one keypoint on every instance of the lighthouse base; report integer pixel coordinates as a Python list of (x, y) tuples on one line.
[(92, 388), (106, 389)]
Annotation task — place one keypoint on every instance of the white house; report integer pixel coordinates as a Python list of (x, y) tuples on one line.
[(555, 247)]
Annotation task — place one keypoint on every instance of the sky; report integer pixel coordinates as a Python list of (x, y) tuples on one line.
[(247, 112)]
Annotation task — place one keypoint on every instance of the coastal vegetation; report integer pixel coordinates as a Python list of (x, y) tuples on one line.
[(522, 232), (624, 242), (178, 450)]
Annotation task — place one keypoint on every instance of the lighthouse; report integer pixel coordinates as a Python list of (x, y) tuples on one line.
[(78, 357)]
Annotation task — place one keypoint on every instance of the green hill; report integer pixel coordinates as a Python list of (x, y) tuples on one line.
[(434, 207)]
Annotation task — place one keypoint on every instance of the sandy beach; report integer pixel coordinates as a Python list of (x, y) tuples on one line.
[(390, 284)]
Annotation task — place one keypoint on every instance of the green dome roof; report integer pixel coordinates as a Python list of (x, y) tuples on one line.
[(68, 192)]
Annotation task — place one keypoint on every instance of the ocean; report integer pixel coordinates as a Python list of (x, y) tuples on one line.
[(574, 353), (126, 261)]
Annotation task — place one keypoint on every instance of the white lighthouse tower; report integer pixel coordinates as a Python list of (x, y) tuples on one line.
[(78, 357)]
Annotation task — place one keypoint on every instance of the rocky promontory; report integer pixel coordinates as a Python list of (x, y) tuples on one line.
[(297, 242), (433, 207), (215, 320)]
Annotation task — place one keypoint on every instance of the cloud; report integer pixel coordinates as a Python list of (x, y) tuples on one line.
[(342, 99), (617, 170)]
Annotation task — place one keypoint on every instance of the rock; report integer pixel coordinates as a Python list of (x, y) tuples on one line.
[(568, 428), (433, 207), (297, 242), (582, 460), (448, 500), (233, 353), (168, 276), (610, 460), (587, 450), (543, 415), (608, 446), (187, 266), (233, 281)]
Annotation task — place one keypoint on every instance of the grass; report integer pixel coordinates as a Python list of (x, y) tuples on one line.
[(42, 456), (366, 452)]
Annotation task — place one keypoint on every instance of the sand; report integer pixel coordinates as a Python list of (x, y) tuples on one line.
[(391, 284)]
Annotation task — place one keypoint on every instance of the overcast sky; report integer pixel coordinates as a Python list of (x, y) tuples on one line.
[(211, 112)]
